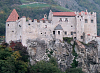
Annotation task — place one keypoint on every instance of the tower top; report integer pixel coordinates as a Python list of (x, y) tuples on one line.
[(13, 16)]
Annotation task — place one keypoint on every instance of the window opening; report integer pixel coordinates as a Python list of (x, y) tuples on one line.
[(41, 33), (18, 17), (81, 37), (28, 24), (60, 20), (91, 21), (53, 32), (12, 31), (59, 32), (65, 32), (66, 20), (8, 24), (19, 25), (86, 21), (71, 26), (71, 33)]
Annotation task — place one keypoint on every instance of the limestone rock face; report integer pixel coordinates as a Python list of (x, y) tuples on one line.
[(88, 56), (39, 50), (87, 53)]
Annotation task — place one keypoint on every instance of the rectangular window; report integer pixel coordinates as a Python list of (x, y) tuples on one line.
[(53, 32), (81, 37), (60, 20), (65, 32), (59, 32), (91, 21), (66, 20), (71, 33), (86, 21)]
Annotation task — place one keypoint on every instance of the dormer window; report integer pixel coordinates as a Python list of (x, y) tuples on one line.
[(60, 20), (86, 21), (91, 21), (66, 19)]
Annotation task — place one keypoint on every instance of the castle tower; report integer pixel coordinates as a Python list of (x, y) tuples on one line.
[(58, 32), (11, 26)]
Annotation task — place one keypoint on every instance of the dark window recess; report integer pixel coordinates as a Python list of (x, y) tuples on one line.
[(53, 32), (81, 37), (45, 32), (41, 33), (71, 33), (60, 20), (12, 31), (74, 32), (78, 16), (19, 25), (86, 21), (91, 21), (65, 33), (75, 38), (38, 21), (32, 20), (71, 26), (80, 19), (28, 24), (18, 17), (8, 24), (66, 20), (59, 32)]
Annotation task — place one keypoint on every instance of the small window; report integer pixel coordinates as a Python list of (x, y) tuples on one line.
[(66, 19), (45, 32), (12, 31), (91, 21), (28, 24), (80, 19), (32, 20), (78, 16), (59, 32), (18, 17), (19, 25), (86, 21), (71, 33), (60, 20), (81, 37), (8, 24), (71, 26), (65, 32), (53, 32), (41, 33), (74, 32)]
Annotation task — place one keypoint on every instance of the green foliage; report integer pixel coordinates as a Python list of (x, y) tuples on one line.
[(67, 39), (74, 70), (10, 60), (44, 67)]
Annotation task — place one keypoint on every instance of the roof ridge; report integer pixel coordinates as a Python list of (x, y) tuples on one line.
[(13, 16)]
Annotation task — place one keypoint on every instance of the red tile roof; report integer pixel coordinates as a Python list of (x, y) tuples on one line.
[(64, 14), (13, 16)]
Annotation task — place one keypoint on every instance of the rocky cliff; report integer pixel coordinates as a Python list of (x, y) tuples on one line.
[(87, 54)]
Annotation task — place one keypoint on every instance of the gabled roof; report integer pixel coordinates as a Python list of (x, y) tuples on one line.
[(58, 27), (64, 14), (13, 16)]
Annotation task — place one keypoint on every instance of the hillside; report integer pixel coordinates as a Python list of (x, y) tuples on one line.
[(26, 8)]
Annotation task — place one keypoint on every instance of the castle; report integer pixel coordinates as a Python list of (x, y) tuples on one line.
[(81, 26)]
